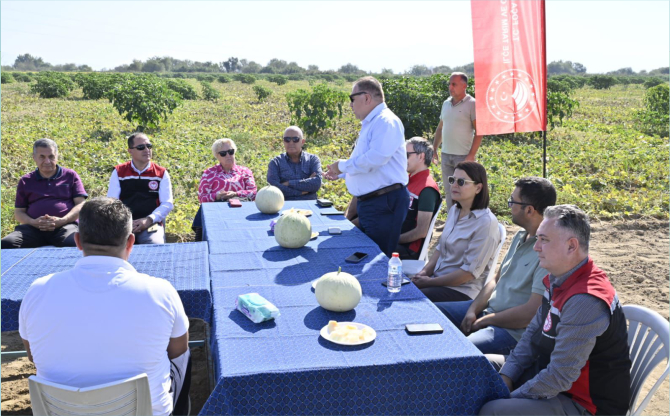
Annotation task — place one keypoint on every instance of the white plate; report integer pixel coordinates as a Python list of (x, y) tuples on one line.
[(304, 212), (326, 334)]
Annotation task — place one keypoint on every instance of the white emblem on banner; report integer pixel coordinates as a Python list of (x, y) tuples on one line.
[(511, 96)]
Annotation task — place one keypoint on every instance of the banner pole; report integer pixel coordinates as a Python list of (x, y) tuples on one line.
[(544, 154)]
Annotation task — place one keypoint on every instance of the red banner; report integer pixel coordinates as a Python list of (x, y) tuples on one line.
[(510, 65)]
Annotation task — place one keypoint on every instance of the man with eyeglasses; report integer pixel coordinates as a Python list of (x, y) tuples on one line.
[(376, 171), (145, 188), (296, 173), (495, 320), (47, 203), (456, 131)]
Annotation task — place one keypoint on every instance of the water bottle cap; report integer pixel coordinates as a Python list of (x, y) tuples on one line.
[(396, 255)]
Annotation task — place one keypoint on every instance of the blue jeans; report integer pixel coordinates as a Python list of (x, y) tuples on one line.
[(381, 218), (489, 340)]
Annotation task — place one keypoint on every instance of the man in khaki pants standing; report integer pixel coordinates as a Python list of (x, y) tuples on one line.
[(456, 131)]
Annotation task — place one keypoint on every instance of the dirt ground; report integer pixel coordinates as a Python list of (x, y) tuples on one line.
[(635, 254)]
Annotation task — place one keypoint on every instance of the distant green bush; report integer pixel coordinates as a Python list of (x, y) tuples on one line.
[(245, 78), (560, 104), (144, 99), (296, 77), (22, 77), (418, 101), (96, 86), (205, 78), (183, 88), (224, 79), (278, 79), (7, 78), (262, 92), (53, 85), (315, 110), (602, 82), (209, 93), (655, 118), (652, 82)]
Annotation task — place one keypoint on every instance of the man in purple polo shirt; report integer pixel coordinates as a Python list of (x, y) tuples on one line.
[(48, 201)]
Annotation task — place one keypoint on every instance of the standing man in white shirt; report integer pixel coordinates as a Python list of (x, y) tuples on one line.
[(102, 321), (457, 131), (376, 171), (145, 188)]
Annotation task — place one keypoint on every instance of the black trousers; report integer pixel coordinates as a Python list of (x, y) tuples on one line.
[(27, 236)]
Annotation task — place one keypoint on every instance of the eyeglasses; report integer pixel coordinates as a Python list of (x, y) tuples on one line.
[(511, 202), (288, 139), (351, 97), (459, 181), (143, 146), (411, 153), (229, 151)]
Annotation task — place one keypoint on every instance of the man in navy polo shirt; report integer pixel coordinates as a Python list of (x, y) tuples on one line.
[(48, 201), (145, 188)]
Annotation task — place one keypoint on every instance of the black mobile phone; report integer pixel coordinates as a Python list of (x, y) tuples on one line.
[(404, 282), (356, 257), (424, 328), (324, 202)]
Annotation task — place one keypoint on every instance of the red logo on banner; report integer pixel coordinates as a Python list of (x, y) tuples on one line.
[(510, 65)]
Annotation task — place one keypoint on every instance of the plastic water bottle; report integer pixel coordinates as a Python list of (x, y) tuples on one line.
[(395, 274)]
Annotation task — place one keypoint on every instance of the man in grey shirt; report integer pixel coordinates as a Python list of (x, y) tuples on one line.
[(573, 358), (296, 173), (457, 130), (495, 320)]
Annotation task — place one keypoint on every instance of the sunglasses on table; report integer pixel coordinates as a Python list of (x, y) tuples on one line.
[(143, 146), (459, 181), (223, 153), (289, 139), (351, 97)]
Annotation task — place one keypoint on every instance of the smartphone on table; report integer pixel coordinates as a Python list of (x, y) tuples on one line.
[(234, 203), (416, 329), (356, 257)]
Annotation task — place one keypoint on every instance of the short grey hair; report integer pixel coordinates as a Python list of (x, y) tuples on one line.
[(218, 144), (298, 129), (463, 76), (45, 143), (571, 218), (105, 221), (422, 145)]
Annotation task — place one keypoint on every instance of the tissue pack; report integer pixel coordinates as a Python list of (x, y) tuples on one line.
[(256, 307)]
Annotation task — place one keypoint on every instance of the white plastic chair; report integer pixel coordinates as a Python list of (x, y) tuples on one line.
[(412, 267), (124, 397), (648, 339)]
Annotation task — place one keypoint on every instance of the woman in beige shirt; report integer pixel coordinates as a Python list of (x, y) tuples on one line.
[(458, 269)]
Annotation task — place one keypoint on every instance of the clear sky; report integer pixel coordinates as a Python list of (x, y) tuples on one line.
[(602, 35)]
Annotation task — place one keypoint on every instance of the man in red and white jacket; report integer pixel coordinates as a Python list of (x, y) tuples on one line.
[(145, 188), (573, 358)]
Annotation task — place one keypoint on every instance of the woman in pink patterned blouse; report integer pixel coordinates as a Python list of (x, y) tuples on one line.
[(226, 180), (223, 181)]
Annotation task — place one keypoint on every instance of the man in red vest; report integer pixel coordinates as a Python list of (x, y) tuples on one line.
[(424, 198), (145, 188), (573, 359)]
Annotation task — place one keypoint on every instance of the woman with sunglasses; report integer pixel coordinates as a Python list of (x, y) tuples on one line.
[(458, 269), (224, 181)]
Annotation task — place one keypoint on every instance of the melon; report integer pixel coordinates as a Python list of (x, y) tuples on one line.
[(293, 230), (269, 200), (338, 291)]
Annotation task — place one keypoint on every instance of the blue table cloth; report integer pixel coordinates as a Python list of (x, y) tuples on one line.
[(284, 366), (184, 265)]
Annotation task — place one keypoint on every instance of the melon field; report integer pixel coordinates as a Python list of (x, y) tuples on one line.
[(598, 160)]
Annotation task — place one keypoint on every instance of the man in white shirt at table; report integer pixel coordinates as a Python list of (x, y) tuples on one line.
[(376, 171), (102, 321)]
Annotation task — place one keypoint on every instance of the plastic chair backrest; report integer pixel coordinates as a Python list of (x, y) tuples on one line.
[(124, 397), (426, 242), (492, 272), (648, 340)]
